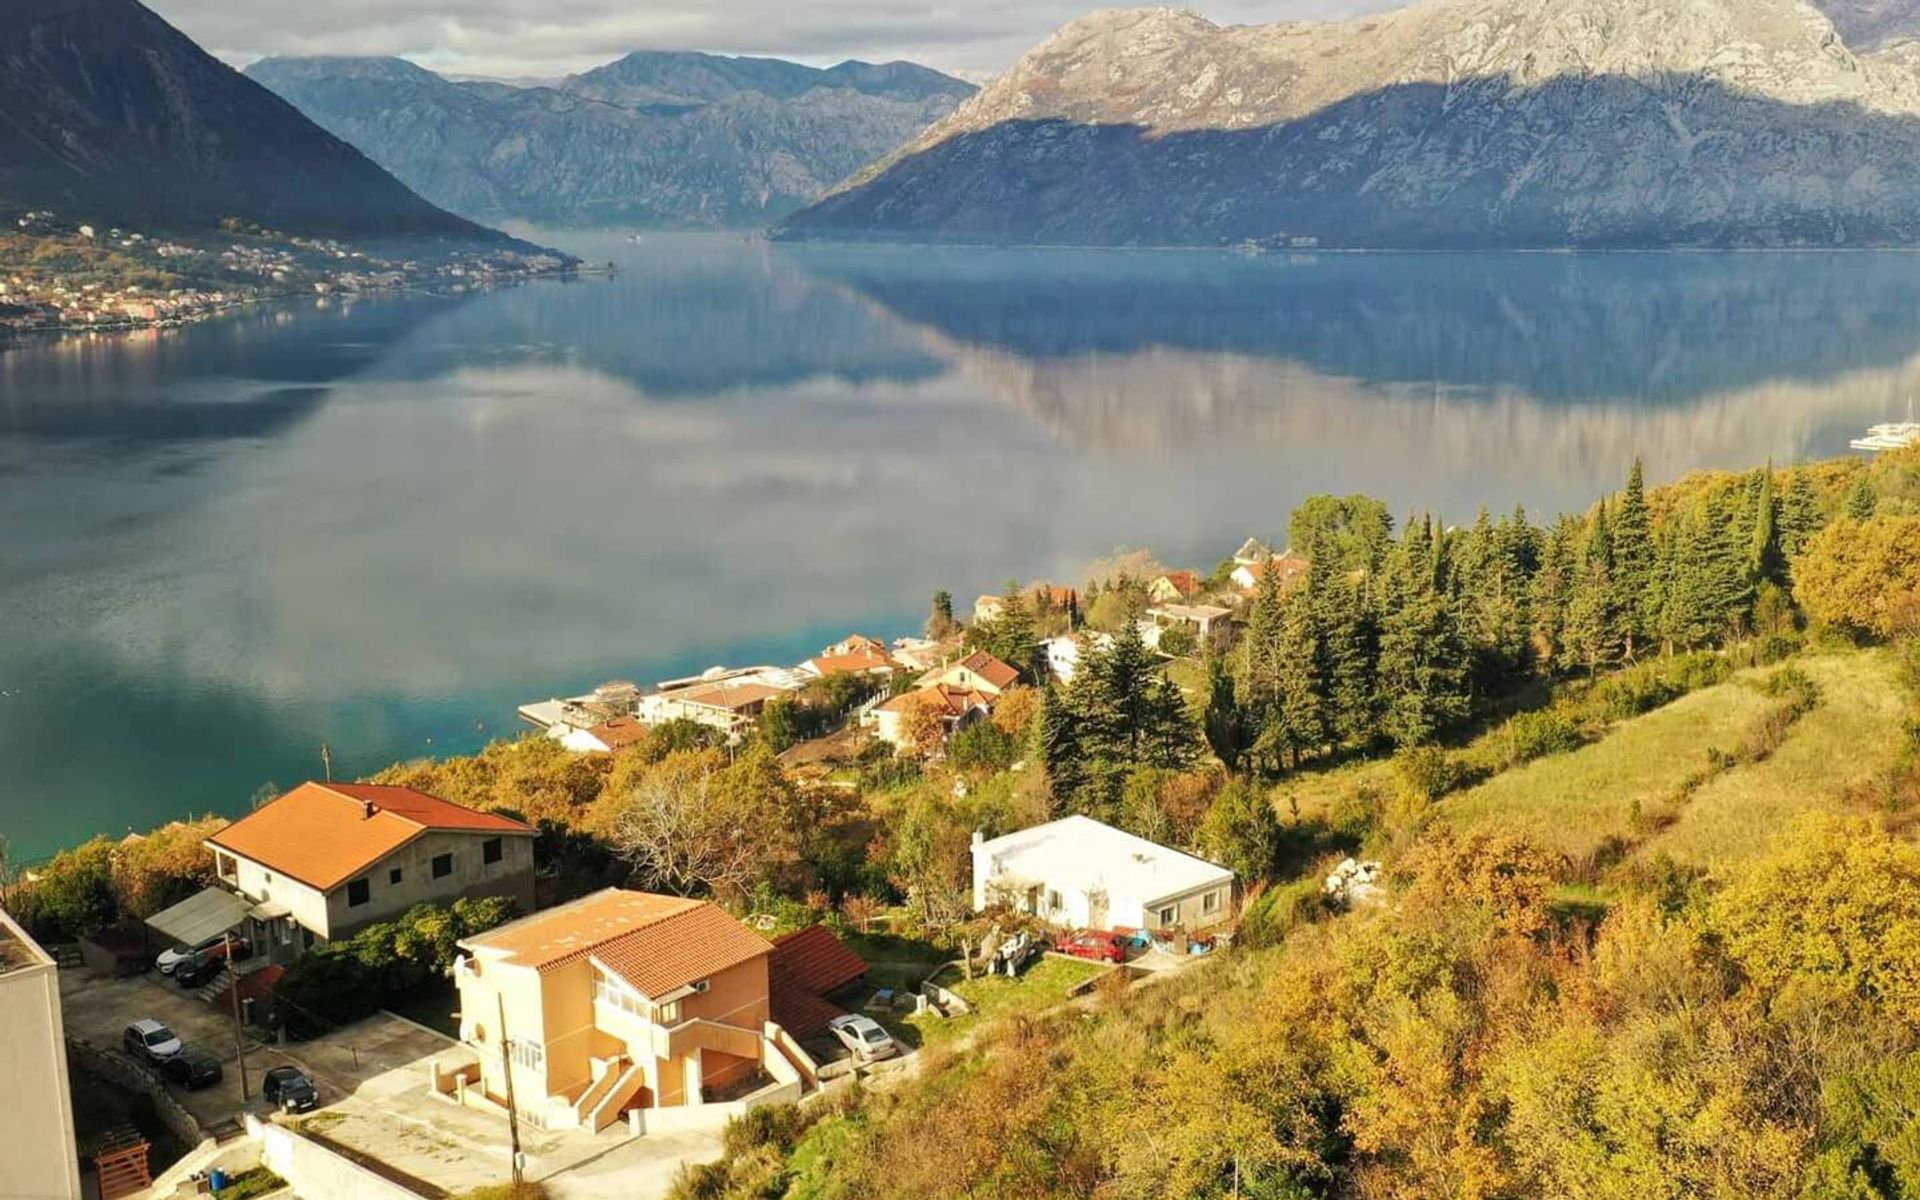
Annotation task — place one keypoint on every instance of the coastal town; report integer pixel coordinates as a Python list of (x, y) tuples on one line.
[(696, 1015), (600, 958), (61, 273)]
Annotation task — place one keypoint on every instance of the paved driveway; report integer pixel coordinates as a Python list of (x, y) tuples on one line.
[(376, 1100)]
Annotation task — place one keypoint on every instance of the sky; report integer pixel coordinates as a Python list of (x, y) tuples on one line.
[(975, 39)]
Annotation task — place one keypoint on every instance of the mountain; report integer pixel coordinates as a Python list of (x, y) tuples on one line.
[(652, 139), (1453, 123), (107, 113), (1873, 23)]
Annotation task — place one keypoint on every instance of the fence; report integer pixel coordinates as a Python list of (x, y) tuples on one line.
[(317, 1173)]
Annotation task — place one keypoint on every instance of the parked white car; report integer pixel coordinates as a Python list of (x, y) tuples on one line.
[(150, 1041), (174, 956), (864, 1037)]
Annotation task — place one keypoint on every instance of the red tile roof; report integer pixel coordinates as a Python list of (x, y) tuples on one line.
[(656, 943), (620, 732), (799, 1011), (816, 960), (808, 965), (991, 671), (323, 834), (1186, 583), (853, 662)]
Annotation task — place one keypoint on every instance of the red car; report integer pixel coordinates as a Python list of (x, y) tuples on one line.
[(1093, 943)]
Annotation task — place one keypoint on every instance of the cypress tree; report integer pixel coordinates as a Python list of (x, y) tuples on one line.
[(1765, 562)]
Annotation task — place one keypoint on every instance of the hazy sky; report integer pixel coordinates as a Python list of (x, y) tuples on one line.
[(974, 38)]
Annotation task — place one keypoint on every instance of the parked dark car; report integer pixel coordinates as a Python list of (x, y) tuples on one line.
[(289, 1088), (1093, 943), (192, 1068)]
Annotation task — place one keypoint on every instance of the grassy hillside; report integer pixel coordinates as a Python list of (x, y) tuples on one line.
[(1576, 803)]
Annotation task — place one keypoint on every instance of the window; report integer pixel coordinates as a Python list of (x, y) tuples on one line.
[(667, 1014), (359, 891), (393, 877), (442, 865), (267, 876), (490, 851), (1210, 902), (1168, 916), (1053, 900), (530, 1055)]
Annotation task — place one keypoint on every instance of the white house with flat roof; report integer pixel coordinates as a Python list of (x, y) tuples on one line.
[(1079, 872)]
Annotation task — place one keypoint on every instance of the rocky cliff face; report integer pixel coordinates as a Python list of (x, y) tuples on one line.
[(110, 114), (653, 139), (1870, 24), (1449, 123)]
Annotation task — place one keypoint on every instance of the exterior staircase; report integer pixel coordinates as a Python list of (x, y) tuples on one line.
[(213, 989), (620, 1088)]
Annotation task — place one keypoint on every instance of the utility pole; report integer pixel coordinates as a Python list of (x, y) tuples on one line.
[(239, 1040), (506, 1066)]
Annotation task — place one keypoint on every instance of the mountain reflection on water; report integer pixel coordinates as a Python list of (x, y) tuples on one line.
[(381, 524)]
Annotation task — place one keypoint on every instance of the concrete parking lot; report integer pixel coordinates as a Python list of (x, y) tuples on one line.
[(376, 1100)]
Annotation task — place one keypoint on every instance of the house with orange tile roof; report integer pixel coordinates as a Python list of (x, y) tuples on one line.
[(1173, 587), (988, 607), (979, 671), (855, 643), (728, 704), (1290, 568), (608, 737), (959, 707), (623, 1002), (808, 968), (328, 858), (864, 660)]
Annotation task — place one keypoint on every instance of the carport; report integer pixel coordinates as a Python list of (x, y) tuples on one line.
[(206, 914)]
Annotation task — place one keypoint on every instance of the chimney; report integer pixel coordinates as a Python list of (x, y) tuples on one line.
[(370, 809)]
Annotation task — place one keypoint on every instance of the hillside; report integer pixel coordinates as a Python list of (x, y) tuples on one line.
[(673, 139), (1449, 123), (109, 114)]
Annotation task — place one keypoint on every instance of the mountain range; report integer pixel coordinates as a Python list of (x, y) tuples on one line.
[(653, 139), (1451, 123), (108, 113)]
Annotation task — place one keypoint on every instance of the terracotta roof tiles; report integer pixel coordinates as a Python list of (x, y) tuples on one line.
[(323, 834)]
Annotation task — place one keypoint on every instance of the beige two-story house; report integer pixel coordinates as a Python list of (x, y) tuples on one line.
[(618, 1001), (327, 859)]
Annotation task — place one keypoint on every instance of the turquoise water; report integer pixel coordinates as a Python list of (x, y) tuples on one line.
[(381, 526)]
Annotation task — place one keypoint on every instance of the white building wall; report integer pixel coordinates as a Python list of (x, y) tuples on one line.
[(37, 1153)]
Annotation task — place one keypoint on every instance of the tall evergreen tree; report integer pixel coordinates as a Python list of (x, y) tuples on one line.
[(1010, 636), (940, 622), (1224, 724), (1800, 516), (1424, 681), (1553, 591), (1766, 563), (1861, 500), (1299, 719), (1635, 565), (1058, 748)]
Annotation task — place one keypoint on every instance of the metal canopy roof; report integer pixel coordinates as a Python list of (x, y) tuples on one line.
[(209, 914)]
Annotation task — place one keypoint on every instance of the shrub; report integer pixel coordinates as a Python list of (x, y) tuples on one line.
[(1425, 774), (1278, 911), (1537, 734)]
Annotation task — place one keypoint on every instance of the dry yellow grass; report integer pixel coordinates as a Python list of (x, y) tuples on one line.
[(1853, 735)]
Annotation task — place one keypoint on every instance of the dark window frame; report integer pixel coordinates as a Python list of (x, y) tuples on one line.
[(394, 876), (362, 888), (492, 851), (442, 865)]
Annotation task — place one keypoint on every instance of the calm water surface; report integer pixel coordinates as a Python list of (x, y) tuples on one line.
[(382, 525)]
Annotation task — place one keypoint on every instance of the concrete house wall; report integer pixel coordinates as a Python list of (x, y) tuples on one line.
[(511, 876), (327, 915), (37, 1153)]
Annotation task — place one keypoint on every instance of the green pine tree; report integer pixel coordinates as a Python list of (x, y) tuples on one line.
[(1861, 501), (1300, 711), (1424, 676), (1800, 516), (1635, 567), (1766, 563)]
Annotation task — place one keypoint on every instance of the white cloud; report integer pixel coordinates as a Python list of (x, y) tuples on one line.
[(509, 38)]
